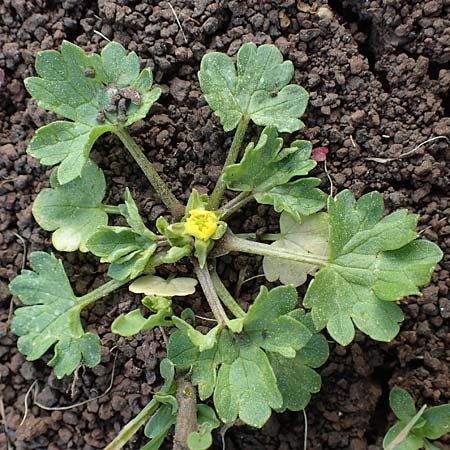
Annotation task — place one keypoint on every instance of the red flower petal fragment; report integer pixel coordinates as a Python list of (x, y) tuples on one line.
[(319, 154)]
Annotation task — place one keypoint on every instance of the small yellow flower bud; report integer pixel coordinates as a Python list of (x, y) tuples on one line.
[(201, 224)]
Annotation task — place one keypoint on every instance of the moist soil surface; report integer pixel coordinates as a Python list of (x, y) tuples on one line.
[(378, 73)]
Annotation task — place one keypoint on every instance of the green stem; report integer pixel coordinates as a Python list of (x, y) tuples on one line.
[(237, 205), (225, 296), (204, 277), (175, 207), (232, 243), (111, 209), (131, 427), (100, 292), (264, 237), (219, 189)]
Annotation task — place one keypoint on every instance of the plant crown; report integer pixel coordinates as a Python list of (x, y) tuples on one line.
[(251, 362)]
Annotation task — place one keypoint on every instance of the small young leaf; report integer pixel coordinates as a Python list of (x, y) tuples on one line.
[(202, 341), (410, 442), (133, 322), (374, 261), (437, 421), (128, 252), (64, 87), (51, 315), (153, 285), (247, 388), (131, 213), (258, 90), (265, 165), (402, 404), (158, 426), (311, 235), (73, 211)]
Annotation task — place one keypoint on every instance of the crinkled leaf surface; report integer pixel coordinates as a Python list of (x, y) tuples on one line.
[(296, 377), (236, 371), (63, 87), (269, 325), (73, 211), (373, 262), (258, 89), (309, 236), (266, 165), (51, 315), (247, 388), (298, 198)]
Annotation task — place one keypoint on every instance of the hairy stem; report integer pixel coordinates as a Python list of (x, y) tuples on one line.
[(232, 243), (131, 427), (175, 207), (225, 296), (236, 206), (186, 421), (204, 277), (100, 292), (217, 194), (111, 209)]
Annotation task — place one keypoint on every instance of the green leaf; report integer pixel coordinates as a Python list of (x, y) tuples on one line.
[(68, 143), (73, 211), (181, 351), (64, 88), (410, 442), (309, 236), (258, 89), (299, 198), (374, 261), (133, 322), (207, 421), (158, 426), (265, 165), (402, 404), (200, 340), (247, 388), (51, 315), (131, 213), (437, 421), (295, 376), (128, 252), (154, 285), (268, 324), (204, 369)]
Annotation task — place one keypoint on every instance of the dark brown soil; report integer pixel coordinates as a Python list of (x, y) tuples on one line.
[(379, 75)]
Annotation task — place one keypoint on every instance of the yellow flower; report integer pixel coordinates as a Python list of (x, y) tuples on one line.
[(201, 224)]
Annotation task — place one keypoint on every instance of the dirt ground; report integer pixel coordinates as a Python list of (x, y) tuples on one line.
[(378, 73)]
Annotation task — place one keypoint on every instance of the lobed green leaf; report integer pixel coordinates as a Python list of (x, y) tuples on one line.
[(374, 261), (73, 211), (64, 88), (257, 90), (51, 316)]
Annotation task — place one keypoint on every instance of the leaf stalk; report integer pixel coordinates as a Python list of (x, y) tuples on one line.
[(232, 243), (100, 292), (131, 427), (135, 150), (204, 277), (219, 189), (225, 296)]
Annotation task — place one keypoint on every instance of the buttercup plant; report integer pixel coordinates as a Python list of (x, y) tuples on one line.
[(251, 362)]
